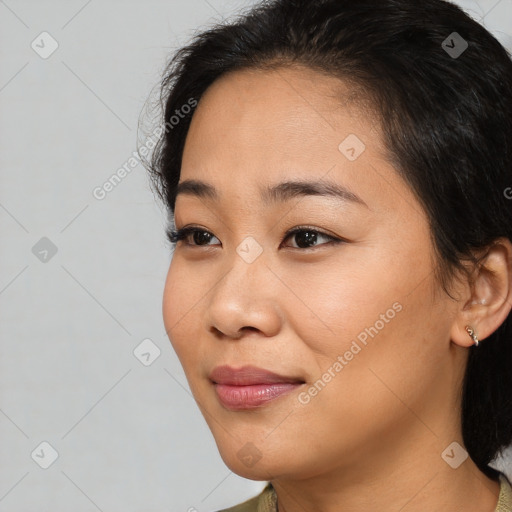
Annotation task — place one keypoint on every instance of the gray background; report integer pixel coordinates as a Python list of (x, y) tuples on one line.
[(129, 437)]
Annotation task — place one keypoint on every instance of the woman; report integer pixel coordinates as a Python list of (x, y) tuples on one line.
[(339, 178)]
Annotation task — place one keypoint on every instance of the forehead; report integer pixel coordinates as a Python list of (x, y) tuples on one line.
[(256, 128), (282, 104)]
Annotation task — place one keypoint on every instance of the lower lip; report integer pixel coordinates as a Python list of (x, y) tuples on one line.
[(252, 396)]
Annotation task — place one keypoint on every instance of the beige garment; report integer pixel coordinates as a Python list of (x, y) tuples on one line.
[(266, 501)]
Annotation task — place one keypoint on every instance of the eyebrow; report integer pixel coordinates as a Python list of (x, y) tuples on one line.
[(280, 192)]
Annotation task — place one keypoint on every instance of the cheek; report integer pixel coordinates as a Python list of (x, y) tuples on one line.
[(180, 298), (374, 313), (334, 302), (385, 329)]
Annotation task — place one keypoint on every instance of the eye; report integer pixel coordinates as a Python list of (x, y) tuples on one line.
[(200, 236), (305, 236)]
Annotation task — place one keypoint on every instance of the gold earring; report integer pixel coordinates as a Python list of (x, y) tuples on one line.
[(473, 335)]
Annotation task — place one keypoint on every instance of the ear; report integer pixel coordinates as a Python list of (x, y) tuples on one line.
[(487, 298)]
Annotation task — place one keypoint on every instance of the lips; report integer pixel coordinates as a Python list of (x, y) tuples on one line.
[(249, 387), (248, 375)]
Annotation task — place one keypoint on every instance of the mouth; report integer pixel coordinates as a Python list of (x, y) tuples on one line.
[(250, 387)]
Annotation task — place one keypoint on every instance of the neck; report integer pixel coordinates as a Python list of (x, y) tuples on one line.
[(414, 481)]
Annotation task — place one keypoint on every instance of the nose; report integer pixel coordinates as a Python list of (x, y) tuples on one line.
[(245, 300)]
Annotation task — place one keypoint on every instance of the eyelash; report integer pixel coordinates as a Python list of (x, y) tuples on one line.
[(181, 234)]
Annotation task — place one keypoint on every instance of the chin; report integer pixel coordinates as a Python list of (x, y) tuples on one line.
[(258, 470), (252, 463)]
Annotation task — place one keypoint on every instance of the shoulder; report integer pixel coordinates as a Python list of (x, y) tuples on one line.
[(263, 502), (505, 497), (266, 500)]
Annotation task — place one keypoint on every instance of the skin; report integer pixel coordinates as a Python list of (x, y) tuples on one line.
[(372, 438)]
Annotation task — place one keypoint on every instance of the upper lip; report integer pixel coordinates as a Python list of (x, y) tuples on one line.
[(247, 375)]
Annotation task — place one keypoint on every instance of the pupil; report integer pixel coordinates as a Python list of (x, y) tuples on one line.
[(307, 237), (201, 236)]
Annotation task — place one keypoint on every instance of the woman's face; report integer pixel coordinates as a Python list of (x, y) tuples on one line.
[(357, 326)]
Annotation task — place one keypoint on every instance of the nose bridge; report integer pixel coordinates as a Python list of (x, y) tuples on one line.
[(244, 296), (246, 272)]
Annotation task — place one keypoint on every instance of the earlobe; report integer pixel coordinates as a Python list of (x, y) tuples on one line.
[(490, 297), (473, 335), (464, 335)]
